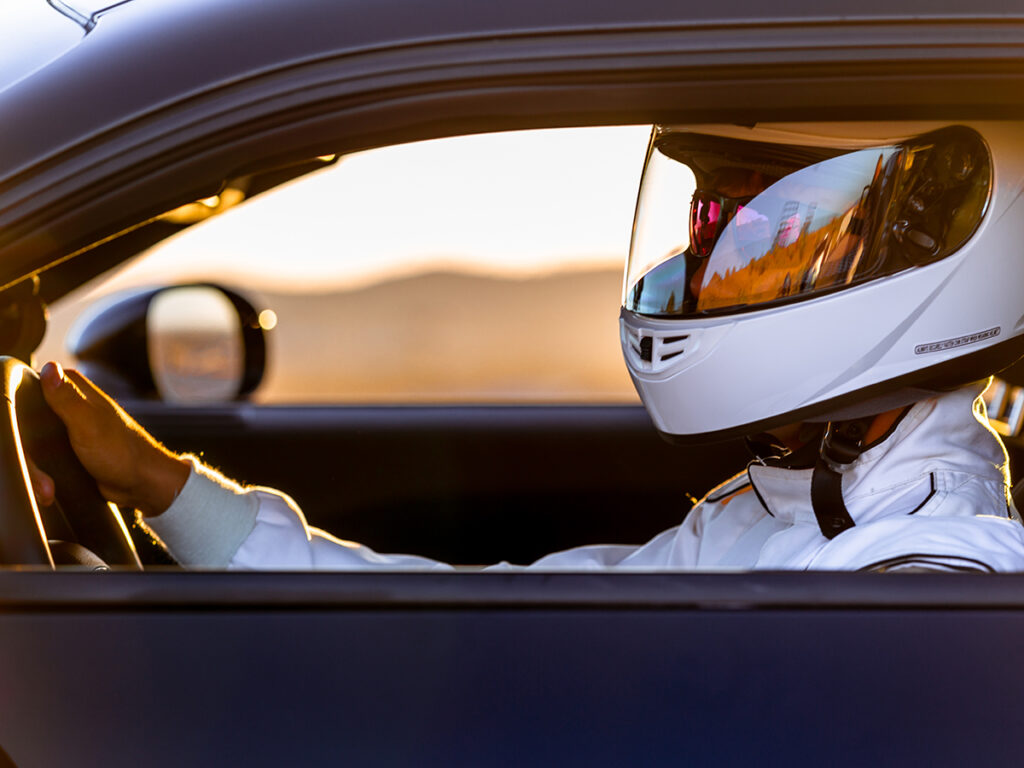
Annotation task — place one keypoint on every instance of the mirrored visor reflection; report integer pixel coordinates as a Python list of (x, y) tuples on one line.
[(754, 232), (804, 234), (663, 290)]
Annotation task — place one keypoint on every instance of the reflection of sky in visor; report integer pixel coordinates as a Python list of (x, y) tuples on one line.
[(806, 200), (750, 224), (804, 235)]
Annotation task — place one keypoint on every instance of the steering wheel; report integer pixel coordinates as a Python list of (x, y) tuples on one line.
[(80, 516)]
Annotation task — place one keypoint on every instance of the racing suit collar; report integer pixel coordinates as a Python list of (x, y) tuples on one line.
[(944, 433)]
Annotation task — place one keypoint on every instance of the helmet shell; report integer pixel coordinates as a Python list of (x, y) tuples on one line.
[(852, 352)]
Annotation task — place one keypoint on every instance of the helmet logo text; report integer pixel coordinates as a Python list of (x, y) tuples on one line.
[(959, 341)]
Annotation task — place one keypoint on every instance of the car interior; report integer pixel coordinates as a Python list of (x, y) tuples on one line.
[(463, 482), (164, 116)]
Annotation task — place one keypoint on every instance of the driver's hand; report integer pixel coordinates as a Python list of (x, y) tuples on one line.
[(130, 467)]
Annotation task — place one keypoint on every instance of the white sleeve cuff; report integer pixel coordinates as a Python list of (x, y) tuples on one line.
[(209, 519)]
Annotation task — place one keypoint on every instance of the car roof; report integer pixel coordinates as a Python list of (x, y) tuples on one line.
[(32, 34), (166, 101)]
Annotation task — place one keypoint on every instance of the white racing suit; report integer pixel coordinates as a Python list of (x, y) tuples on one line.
[(932, 493)]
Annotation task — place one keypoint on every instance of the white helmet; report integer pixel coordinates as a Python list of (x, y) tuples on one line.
[(821, 272)]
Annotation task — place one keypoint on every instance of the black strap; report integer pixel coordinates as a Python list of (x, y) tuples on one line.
[(827, 500), (842, 443)]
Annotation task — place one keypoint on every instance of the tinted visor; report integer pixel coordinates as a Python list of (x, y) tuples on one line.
[(722, 235)]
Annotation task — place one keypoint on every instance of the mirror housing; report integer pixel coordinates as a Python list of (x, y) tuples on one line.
[(192, 343)]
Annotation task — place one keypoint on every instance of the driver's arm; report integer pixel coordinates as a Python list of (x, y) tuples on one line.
[(207, 520), (204, 518)]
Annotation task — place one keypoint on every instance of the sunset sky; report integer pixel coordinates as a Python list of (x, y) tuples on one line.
[(510, 203), (519, 205)]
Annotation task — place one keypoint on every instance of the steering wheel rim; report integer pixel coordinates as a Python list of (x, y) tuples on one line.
[(29, 428)]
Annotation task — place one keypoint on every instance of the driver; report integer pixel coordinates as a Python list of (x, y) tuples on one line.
[(826, 297)]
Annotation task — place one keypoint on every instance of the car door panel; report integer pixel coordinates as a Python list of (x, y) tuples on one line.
[(170, 669)]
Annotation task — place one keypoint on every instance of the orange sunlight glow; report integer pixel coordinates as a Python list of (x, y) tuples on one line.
[(397, 261), (512, 204)]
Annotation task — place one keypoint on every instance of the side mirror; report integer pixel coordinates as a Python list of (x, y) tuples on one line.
[(186, 344)]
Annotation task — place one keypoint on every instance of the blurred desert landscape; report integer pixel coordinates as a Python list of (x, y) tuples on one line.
[(435, 337), (483, 268)]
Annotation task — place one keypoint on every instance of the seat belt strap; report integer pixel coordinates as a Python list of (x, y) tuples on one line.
[(842, 443), (827, 501)]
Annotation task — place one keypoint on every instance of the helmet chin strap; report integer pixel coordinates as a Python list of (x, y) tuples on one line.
[(841, 444)]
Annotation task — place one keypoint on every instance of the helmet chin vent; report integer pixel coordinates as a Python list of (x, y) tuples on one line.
[(651, 351)]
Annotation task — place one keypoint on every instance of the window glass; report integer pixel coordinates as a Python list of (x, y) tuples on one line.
[(472, 269)]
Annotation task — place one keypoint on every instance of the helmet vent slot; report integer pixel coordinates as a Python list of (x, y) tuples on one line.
[(652, 351), (671, 346), (646, 348)]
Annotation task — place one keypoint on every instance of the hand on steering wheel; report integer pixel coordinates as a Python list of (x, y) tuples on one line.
[(105, 444), (130, 467)]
